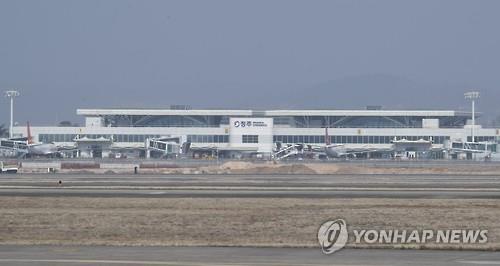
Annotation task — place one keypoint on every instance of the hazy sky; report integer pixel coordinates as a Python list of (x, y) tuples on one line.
[(242, 54)]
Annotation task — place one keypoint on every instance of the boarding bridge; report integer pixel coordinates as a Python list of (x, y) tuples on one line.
[(18, 146), (475, 150), (163, 146), (287, 151)]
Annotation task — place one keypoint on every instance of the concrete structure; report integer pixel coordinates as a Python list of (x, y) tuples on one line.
[(255, 131)]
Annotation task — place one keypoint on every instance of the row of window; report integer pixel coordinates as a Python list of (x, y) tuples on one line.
[(130, 138), (302, 121), (13, 144), (208, 138), (482, 138), (47, 138), (353, 139), (250, 139)]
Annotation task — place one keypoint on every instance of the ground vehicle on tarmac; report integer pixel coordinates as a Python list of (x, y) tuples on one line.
[(7, 169)]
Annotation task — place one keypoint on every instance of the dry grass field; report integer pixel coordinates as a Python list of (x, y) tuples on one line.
[(281, 168), (229, 221)]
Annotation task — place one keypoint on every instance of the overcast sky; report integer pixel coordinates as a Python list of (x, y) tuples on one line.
[(64, 55)]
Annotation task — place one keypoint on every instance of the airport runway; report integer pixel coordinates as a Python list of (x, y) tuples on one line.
[(225, 256), (244, 186), (237, 186)]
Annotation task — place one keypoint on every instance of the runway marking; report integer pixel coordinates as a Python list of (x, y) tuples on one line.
[(157, 193), (479, 262), (180, 263), (253, 188), (96, 261), (324, 188)]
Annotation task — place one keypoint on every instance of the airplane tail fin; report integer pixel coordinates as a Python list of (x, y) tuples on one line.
[(327, 137), (28, 129)]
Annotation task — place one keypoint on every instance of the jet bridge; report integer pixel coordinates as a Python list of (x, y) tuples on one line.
[(163, 147), (17, 146), (485, 150), (281, 152)]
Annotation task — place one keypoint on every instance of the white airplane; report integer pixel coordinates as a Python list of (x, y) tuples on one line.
[(40, 149), (329, 149), (27, 147), (335, 150), (340, 150)]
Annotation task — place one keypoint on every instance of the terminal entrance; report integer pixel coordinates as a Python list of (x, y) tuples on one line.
[(93, 147), (96, 151)]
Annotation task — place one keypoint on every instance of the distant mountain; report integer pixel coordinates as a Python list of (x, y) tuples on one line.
[(392, 92)]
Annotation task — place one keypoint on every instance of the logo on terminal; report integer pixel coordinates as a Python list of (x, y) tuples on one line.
[(242, 123)]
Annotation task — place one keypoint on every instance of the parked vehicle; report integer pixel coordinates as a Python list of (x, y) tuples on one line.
[(7, 169)]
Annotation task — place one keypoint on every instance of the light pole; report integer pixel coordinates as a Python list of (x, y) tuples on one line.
[(472, 95), (11, 94)]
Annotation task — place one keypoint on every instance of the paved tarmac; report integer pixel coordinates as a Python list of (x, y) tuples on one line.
[(305, 186), (245, 186), (221, 193), (224, 256)]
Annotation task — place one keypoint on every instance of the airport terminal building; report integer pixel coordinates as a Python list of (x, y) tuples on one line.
[(231, 133)]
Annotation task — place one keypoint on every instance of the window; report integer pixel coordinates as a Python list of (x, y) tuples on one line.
[(282, 121), (250, 138), (208, 138)]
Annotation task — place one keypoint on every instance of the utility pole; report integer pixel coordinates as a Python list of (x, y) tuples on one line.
[(11, 94), (472, 95)]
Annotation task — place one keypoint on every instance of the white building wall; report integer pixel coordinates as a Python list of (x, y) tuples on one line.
[(162, 131), (261, 127), (455, 134), (94, 121)]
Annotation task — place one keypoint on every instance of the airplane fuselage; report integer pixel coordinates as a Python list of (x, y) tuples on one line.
[(43, 149), (336, 151)]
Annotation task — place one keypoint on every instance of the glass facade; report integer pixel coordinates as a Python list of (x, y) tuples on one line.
[(250, 138), (313, 139), (353, 139), (48, 138), (132, 138), (482, 138), (208, 138), (165, 121), (304, 121), (367, 121)]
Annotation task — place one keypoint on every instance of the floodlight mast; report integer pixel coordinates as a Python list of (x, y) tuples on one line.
[(472, 95), (11, 94)]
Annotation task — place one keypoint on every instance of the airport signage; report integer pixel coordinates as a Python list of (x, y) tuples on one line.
[(333, 236), (248, 123), (258, 129)]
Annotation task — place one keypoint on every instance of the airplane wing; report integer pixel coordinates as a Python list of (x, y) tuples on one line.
[(66, 148), (318, 147), (470, 150), (348, 150), (19, 139), (367, 149)]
